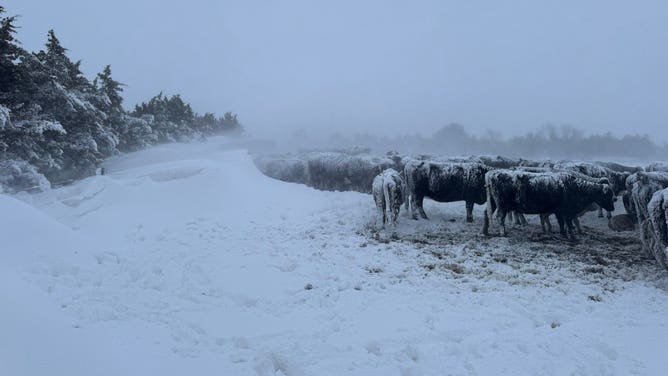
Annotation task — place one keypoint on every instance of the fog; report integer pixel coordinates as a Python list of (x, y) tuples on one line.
[(378, 67)]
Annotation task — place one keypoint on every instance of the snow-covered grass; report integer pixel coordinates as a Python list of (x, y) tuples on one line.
[(185, 259)]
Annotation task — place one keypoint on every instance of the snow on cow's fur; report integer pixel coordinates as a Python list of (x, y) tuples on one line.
[(654, 230), (649, 182), (329, 171), (657, 166), (445, 182), (388, 193), (617, 179), (285, 168), (561, 193)]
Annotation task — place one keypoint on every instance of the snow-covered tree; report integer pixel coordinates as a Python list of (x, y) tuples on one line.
[(56, 123)]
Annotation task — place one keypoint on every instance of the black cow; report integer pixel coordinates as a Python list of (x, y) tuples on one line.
[(560, 193), (545, 218), (617, 179), (445, 182)]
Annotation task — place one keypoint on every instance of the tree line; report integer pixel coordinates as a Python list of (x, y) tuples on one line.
[(548, 141), (56, 125)]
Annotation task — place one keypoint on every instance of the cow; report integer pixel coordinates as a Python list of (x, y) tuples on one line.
[(619, 167), (617, 179), (660, 178), (654, 230), (560, 193), (545, 218), (335, 171), (641, 193), (445, 182), (388, 193), (657, 166)]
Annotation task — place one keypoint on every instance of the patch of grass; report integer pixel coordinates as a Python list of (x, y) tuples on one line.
[(501, 259), (373, 270), (455, 268), (595, 298)]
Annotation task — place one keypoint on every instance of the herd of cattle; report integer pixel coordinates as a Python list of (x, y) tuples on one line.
[(509, 187)]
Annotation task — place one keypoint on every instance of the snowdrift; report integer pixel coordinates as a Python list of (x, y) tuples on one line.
[(185, 259)]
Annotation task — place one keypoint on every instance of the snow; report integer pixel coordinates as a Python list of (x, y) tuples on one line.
[(5, 118), (185, 259), (40, 126)]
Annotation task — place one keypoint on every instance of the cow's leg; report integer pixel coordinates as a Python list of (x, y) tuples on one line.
[(413, 203), (519, 218), (501, 216), (469, 211), (395, 208), (381, 213), (545, 223), (523, 219), (571, 229), (608, 214), (600, 212), (419, 202), (576, 220), (560, 221), (626, 200), (489, 211), (379, 208), (485, 223)]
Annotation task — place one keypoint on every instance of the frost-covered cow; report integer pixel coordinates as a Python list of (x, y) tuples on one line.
[(654, 230), (505, 162), (545, 218), (641, 193), (333, 171), (617, 179), (649, 183), (618, 167), (558, 193), (445, 182), (657, 166), (286, 168), (388, 192)]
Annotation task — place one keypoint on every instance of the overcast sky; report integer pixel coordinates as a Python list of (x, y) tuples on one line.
[(385, 66)]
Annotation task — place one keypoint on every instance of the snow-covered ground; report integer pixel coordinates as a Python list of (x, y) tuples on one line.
[(185, 259)]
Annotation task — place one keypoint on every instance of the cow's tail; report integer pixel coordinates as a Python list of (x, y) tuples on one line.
[(491, 204), (404, 190), (409, 175), (388, 198)]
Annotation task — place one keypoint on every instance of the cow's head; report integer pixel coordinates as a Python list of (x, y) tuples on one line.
[(607, 198)]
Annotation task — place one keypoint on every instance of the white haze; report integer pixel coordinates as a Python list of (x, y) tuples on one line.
[(382, 67)]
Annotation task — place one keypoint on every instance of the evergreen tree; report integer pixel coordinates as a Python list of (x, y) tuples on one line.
[(106, 85), (9, 53), (54, 122), (230, 124)]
